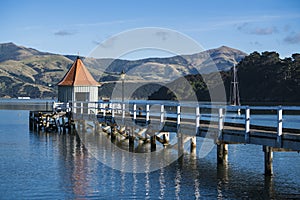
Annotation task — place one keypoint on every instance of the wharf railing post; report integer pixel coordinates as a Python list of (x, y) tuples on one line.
[(134, 112), (162, 111), (220, 125), (197, 120), (68, 107), (279, 127), (112, 110), (247, 125), (53, 106), (147, 113), (178, 117), (222, 148), (103, 111), (179, 134)]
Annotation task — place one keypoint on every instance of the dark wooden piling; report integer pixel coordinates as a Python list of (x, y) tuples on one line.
[(153, 142), (131, 140), (193, 144), (113, 134), (268, 151), (222, 153)]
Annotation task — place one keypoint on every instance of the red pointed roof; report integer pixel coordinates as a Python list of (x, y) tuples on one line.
[(78, 75)]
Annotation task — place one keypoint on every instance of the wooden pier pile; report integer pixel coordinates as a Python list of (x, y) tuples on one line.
[(120, 132), (123, 132), (51, 121)]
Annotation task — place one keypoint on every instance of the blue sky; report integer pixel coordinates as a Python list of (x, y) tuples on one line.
[(69, 27)]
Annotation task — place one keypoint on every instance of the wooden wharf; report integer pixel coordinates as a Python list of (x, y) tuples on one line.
[(51, 121), (154, 121)]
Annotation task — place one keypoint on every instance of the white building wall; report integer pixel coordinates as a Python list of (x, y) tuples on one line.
[(93, 96), (65, 94)]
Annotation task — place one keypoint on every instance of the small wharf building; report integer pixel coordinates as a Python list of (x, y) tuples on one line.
[(78, 85)]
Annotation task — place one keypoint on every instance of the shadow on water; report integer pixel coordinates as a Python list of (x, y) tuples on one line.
[(81, 175)]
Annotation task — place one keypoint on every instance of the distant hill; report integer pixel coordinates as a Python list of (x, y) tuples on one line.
[(263, 77), (29, 72), (10, 51), (169, 69)]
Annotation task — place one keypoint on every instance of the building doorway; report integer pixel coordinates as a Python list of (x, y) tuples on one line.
[(82, 97)]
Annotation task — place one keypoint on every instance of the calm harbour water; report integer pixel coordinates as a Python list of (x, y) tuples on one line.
[(57, 166)]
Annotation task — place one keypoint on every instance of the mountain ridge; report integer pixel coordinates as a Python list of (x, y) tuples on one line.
[(29, 72), (18, 52)]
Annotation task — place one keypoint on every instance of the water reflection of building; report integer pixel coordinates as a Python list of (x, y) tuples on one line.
[(80, 169), (74, 165)]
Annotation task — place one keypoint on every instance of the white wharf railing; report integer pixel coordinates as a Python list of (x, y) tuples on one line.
[(278, 121)]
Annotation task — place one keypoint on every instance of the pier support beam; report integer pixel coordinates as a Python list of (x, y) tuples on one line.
[(180, 143), (268, 160), (153, 142), (131, 143), (222, 153), (113, 133), (63, 125), (131, 140), (31, 120), (193, 144), (166, 138)]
